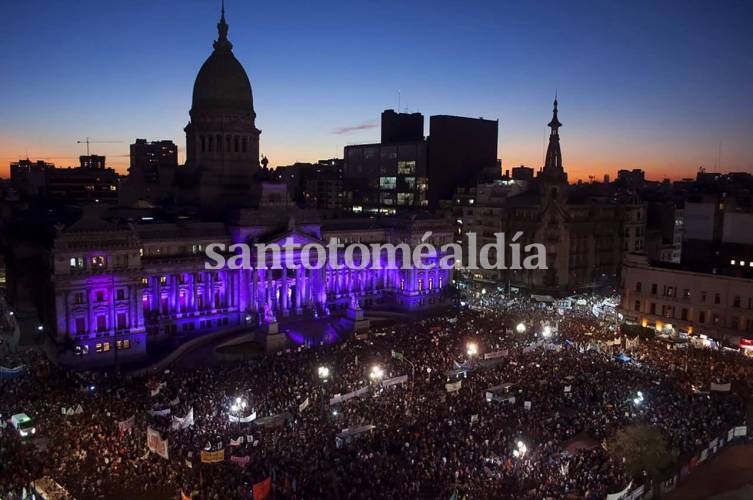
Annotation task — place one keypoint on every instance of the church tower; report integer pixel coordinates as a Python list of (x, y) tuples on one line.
[(552, 177), (222, 141)]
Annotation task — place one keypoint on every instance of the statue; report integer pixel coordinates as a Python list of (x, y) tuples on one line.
[(354, 304), (269, 316)]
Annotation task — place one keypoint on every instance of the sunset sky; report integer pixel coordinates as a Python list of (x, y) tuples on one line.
[(652, 85)]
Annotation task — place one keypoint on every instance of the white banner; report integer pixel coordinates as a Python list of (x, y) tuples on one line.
[(741, 431), (495, 354), (303, 405), (183, 423), (620, 494), (160, 413), (454, 387), (721, 387), (11, 371), (341, 398), (394, 381), (243, 420)]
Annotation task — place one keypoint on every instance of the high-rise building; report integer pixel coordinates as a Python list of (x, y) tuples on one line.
[(384, 178), (401, 127), (29, 178), (151, 175), (460, 149)]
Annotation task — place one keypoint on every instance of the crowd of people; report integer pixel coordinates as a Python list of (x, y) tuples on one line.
[(430, 438)]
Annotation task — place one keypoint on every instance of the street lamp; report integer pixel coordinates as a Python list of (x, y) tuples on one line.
[(376, 373), (521, 328), (547, 332), (323, 372), (471, 349), (521, 450)]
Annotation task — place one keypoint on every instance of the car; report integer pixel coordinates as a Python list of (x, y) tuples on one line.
[(23, 424)]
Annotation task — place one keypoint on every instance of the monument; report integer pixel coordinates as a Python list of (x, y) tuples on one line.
[(354, 319)]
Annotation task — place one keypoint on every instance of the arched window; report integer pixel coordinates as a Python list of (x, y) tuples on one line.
[(211, 143), (219, 143), (228, 145), (237, 140)]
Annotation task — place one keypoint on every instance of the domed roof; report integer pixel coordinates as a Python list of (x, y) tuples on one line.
[(222, 84)]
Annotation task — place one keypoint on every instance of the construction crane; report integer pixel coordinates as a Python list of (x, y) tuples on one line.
[(87, 141)]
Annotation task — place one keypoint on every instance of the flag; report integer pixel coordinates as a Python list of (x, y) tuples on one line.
[(263, 489), (127, 424), (156, 444), (183, 423), (454, 387), (398, 355)]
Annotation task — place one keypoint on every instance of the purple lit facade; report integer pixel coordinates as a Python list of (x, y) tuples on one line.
[(138, 285)]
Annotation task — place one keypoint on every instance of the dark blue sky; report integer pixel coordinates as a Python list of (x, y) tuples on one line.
[(654, 85)]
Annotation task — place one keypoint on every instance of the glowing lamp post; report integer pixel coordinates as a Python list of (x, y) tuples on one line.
[(238, 408), (471, 349), (323, 372), (376, 373), (547, 332), (521, 328), (521, 450)]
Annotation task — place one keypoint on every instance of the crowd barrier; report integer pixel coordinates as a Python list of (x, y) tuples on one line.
[(644, 492)]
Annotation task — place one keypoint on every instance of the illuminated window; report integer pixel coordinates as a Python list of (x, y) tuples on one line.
[(145, 281), (406, 167), (105, 347), (431, 283), (420, 284), (77, 263), (98, 347), (402, 284), (732, 262), (98, 261), (78, 298), (163, 280)]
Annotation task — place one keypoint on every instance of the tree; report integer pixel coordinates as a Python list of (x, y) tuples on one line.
[(641, 447)]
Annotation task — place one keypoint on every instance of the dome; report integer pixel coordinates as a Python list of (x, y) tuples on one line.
[(222, 84)]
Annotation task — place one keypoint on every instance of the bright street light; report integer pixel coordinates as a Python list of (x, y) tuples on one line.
[(520, 328), (547, 332), (323, 372), (376, 373), (472, 349), (521, 450)]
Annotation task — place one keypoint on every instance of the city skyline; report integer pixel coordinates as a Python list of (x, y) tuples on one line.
[(649, 89)]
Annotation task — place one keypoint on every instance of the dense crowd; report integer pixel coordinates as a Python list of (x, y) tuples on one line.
[(571, 394)]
